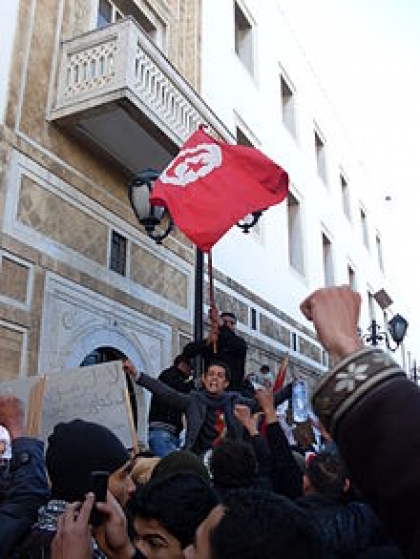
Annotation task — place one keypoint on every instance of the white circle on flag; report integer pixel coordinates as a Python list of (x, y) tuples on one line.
[(192, 164)]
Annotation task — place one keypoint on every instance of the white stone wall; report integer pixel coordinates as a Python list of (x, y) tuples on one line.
[(236, 96)]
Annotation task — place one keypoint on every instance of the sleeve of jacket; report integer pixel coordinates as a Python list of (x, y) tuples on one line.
[(26, 489), (232, 340), (262, 454), (373, 413), (283, 394), (279, 397), (168, 394), (286, 474)]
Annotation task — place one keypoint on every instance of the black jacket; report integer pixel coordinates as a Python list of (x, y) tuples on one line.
[(344, 529), (23, 491), (163, 412)]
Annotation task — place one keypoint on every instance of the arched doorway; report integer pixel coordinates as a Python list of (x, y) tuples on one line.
[(105, 354)]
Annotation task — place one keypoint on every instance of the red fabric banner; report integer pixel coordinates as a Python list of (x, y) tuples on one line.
[(211, 185)]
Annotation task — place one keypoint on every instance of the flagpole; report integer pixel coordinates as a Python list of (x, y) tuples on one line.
[(198, 306), (211, 294)]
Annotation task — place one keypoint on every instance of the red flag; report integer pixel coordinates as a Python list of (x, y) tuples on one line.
[(211, 185), (281, 375)]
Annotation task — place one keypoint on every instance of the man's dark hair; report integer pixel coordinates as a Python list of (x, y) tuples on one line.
[(219, 363), (181, 358), (233, 465), (261, 525), (179, 503), (265, 369), (327, 473), (229, 314)]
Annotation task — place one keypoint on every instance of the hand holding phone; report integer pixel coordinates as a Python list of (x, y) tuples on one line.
[(98, 486)]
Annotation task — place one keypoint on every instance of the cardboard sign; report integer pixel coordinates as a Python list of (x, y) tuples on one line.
[(98, 394)]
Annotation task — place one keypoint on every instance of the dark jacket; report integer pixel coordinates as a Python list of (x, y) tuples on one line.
[(286, 475), (160, 410), (373, 413), (344, 529), (230, 348), (194, 409), (24, 489)]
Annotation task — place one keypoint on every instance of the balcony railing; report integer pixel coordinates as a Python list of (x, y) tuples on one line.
[(119, 64)]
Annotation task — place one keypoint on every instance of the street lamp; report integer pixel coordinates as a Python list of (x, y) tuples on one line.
[(155, 219), (158, 224), (397, 329)]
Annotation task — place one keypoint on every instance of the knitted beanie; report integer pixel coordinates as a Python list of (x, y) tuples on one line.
[(76, 449)]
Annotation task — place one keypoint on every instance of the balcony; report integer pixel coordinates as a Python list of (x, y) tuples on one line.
[(118, 92)]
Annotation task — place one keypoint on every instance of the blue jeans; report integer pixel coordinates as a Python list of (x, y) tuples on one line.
[(162, 442)]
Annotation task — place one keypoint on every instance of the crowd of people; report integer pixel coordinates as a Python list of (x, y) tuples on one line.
[(221, 479)]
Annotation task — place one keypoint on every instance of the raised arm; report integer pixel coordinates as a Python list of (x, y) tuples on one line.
[(286, 475), (168, 394), (373, 413)]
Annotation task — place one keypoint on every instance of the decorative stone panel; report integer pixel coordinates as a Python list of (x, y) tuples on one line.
[(55, 218), (310, 350), (11, 345), (13, 280), (158, 276), (274, 330)]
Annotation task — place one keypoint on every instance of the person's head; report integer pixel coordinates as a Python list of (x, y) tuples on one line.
[(229, 319), (183, 364), (216, 378), (264, 369), (180, 462), (233, 465), (76, 449), (254, 524), (326, 474), (167, 512)]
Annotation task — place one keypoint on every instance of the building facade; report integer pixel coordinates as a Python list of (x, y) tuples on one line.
[(93, 91)]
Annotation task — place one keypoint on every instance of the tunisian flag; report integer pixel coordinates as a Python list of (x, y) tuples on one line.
[(211, 185)]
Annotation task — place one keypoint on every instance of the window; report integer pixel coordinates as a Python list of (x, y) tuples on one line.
[(320, 156), (118, 256), (243, 38), (294, 341), (365, 232), (345, 198), (351, 277), (111, 11), (288, 106), (107, 13), (379, 252), (253, 319), (242, 139), (327, 261), (295, 234)]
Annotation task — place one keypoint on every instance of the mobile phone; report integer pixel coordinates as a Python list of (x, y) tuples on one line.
[(98, 486), (256, 381)]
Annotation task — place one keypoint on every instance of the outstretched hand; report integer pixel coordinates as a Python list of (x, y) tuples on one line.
[(244, 416), (129, 368), (335, 312)]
